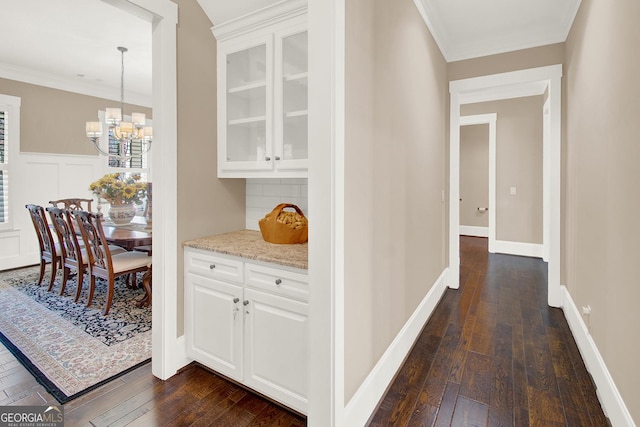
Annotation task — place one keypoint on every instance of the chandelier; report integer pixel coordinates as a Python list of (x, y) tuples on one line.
[(133, 138)]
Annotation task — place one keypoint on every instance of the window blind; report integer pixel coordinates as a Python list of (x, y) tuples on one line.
[(137, 162), (4, 173)]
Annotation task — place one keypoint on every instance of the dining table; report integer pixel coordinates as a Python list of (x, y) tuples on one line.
[(125, 237), (133, 236)]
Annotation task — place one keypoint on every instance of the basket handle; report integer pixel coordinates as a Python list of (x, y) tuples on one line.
[(276, 211)]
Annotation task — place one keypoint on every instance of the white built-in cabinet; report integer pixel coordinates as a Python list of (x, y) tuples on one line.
[(249, 322), (263, 94)]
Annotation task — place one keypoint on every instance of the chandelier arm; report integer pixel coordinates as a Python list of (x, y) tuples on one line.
[(146, 146)]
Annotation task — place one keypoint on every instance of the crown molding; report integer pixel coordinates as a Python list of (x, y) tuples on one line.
[(439, 35), (260, 18), (25, 75)]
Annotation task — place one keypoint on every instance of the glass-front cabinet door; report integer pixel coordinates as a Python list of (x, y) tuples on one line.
[(263, 101), (245, 109), (291, 92)]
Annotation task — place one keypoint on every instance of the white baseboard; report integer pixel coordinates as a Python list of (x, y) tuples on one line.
[(610, 399), (178, 359), (518, 248), (470, 230), (20, 261), (181, 359), (365, 400)]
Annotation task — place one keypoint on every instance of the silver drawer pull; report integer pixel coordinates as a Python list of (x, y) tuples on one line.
[(278, 281), (212, 266)]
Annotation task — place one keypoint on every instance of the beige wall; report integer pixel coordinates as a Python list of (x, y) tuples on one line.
[(206, 205), (53, 121), (474, 175), (505, 62), (518, 164), (395, 166), (603, 176)]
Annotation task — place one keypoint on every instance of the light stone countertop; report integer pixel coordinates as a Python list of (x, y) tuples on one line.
[(249, 244)]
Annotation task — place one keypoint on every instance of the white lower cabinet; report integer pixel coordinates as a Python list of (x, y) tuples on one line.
[(275, 342), (254, 331), (214, 317)]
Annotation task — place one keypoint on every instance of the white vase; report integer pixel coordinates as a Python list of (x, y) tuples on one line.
[(122, 214)]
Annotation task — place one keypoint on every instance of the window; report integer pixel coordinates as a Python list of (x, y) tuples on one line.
[(139, 162), (140, 165), (9, 137)]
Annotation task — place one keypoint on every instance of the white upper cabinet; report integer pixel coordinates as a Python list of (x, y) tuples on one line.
[(291, 87), (263, 94)]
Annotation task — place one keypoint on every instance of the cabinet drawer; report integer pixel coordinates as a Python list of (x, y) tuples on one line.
[(217, 267), (277, 281)]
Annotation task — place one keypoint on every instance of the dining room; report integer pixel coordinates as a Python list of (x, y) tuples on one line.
[(40, 165), (92, 323)]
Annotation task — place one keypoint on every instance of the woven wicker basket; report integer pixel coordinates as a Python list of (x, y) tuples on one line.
[(277, 232)]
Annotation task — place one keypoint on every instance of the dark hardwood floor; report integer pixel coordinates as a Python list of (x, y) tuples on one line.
[(194, 397), (493, 354)]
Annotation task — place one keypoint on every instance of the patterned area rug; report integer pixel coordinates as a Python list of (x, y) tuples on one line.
[(69, 348)]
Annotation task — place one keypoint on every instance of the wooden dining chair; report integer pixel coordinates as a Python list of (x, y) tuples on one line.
[(72, 250), (104, 264), (49, 248), (73, 204)]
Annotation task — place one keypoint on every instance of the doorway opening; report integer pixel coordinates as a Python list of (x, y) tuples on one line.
[(489, 176), (535, 81)]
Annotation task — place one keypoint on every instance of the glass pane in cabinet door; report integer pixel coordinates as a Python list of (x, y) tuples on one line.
[(295, 96), (246, 105)]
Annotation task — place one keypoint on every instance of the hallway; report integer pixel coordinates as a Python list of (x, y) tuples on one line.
[(493, 354)]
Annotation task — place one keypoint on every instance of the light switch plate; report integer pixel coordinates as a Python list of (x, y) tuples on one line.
[(513, 191)]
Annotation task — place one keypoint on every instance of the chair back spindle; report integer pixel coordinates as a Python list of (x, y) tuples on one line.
[(73, 204), (104, 264), (49, 252), (71, 250)]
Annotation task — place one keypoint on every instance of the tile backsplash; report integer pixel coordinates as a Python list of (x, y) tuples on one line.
[(265, 194)]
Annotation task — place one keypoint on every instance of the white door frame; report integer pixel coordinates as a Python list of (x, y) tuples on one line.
[(490, 119), (546, 190), (167, 353), (513, 84)]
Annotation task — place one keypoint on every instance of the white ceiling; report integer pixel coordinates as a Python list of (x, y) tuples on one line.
[(467, 29), (71, 44)]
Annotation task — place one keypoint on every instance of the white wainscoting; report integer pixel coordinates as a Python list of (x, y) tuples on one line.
[(38, 178)]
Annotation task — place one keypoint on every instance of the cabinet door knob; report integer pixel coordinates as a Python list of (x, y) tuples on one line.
[(245, 302), (267, 159), (235, 300), (277, 157), (278, 281), (212, 266)]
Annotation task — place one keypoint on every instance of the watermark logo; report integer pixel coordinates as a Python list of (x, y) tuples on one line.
[(31, 416)]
